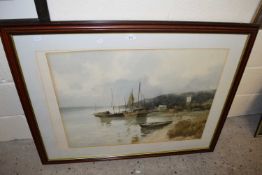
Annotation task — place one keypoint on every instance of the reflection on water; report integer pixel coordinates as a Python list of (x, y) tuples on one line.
[(83, 129)]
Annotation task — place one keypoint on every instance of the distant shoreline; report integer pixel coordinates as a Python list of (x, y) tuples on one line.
[(164, 99)]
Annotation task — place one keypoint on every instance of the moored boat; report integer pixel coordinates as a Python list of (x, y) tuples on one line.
[(101, 114), (155, 124), (135, 110), (108, 114)]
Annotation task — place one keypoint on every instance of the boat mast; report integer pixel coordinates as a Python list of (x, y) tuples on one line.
[(139, 88), (130, 102), (112, 100), (125, 103)]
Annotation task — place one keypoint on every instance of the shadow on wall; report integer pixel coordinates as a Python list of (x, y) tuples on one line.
[(255, 109), (250, 105)]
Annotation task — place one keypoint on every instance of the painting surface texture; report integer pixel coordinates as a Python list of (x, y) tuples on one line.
[(122, 97)]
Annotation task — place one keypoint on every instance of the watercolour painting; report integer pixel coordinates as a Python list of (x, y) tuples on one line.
[(121, 97)]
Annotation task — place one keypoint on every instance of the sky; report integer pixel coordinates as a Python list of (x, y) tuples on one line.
[(94, 78)]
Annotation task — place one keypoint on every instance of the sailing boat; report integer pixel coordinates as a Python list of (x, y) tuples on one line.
[(135, 110), (108, 113)]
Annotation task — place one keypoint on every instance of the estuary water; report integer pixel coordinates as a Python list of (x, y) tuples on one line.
[(83, 129)]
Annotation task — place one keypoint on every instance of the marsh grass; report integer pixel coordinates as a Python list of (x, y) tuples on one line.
[(187, 128)]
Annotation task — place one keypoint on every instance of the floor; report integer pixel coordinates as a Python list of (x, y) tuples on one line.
[(236, 153)]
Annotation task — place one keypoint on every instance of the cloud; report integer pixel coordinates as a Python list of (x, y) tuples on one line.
[(87, 78)]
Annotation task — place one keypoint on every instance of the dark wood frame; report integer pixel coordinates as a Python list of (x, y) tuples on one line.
[(42, 10), (114, 27)]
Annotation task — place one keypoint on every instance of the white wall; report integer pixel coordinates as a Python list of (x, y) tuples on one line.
[(249, 96), (12, 120), (17, 9), (175, 10)]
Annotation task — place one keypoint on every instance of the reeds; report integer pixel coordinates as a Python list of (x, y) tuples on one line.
[(187, 128)]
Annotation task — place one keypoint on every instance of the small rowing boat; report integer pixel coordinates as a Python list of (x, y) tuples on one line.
[(155, 124)]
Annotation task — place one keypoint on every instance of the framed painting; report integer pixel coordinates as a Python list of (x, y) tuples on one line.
[(259, 128), (114, 90)]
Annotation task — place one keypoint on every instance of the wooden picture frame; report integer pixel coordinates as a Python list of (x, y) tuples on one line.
[(14, 40)]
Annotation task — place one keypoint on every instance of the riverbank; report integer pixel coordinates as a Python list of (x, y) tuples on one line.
[(185, 126)]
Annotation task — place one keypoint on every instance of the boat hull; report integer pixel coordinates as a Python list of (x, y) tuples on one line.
[(155, 124), (108, 114)]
